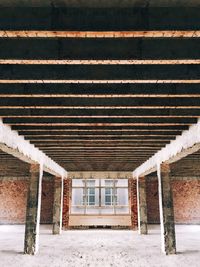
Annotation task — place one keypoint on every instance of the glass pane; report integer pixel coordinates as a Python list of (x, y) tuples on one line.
[(109, 183), (107, 191), (91, 191), (122, 182), (77, 182), (108, 200), (77, 196), (90, 183), (91, 200), (122, 196)]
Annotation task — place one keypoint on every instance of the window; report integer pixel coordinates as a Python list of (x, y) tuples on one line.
[(99, 196), (110, 193), (89, 193)]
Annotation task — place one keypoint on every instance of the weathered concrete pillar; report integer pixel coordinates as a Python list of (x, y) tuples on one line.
[(67, 191), (132, 191), (168, 237), (31, 242), (57, 205), (142, 205)]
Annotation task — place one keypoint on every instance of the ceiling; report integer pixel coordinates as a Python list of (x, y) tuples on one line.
[(99, 89)]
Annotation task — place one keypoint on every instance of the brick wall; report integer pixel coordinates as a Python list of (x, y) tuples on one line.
[(186, 197), (66, 202), (13, 196), (47, 202), (153, 214), (132, 186), (186, 201)]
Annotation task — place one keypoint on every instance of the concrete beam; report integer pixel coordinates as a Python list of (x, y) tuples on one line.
[(99, 175), (145, 18), (17, 146), (168, 237), (187, 143), (57, 205), (99, 72), (142, 205), (31, 242)]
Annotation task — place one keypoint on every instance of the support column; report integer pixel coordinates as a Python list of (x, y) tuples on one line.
[(57, 205), (168, 237), (66, 202), (132, 191), (142, 205), (31, 242)]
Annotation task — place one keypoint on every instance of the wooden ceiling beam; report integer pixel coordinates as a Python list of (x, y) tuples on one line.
[(100, 34)]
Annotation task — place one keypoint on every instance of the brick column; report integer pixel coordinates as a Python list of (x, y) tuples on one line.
[(166, 210), (66, 202), (142, 205), (132, 188), (57, 205), (31, 242)]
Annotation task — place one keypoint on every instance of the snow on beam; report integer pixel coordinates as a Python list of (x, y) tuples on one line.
[(12, 143), (187, 143)]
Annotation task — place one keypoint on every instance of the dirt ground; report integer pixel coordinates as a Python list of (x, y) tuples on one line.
[(95, 248)]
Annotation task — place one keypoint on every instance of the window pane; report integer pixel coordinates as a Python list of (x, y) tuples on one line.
[(108, 200), (91, 191), (107, 191), (91, 200)]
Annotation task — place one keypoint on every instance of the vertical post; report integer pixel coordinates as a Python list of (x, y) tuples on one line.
[(99, 212), (31, 242), (142, 205), (67, 191), (168, 237), (132, 191), (57, 205)]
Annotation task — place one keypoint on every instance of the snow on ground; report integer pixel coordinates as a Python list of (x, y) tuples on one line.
[(99, 248)]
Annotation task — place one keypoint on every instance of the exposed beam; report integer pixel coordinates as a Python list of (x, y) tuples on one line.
[(186, 144), (56, 95), (72, 50), (99, 62), (107, 89), (99, 34), (35, 16), (100, 72), (17, 146), (98, 81)]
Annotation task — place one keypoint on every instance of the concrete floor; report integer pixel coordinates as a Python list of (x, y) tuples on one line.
[(99, 248)]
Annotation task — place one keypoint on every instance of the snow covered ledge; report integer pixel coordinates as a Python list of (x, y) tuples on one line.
[(12, 143), (187, 143)]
